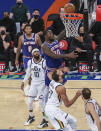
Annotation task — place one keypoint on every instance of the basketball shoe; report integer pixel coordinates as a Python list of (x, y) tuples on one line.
[(30, 120), (43, 124)]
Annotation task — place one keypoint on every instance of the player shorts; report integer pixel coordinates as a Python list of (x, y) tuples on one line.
[(47, 81), (58, 118), (36, 89), (25, 61)]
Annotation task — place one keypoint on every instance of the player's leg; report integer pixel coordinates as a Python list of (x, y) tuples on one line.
[(41, 97), (32, 95), (57, 119), (71, 121), (46, 91)]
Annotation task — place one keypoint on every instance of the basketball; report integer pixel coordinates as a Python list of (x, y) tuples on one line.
[(69, 8)]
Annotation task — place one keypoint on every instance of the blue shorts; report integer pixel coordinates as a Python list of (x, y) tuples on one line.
[(25, 61), (47, 81)]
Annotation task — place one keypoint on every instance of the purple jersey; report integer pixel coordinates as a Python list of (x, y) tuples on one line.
[(28, 45), (53, 63)]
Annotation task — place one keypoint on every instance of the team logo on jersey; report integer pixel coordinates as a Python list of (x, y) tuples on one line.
[(29, 43)]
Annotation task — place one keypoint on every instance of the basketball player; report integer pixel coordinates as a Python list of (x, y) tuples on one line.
[(57, 94), (36, 69), (92, 110), (27, 43), (53, 55)]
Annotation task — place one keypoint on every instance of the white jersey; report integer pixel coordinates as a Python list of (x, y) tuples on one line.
[(91, 122), (53, 98), (36, 71)]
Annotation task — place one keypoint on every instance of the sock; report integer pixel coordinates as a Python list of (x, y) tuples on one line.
[(31, 114), (44, 116)]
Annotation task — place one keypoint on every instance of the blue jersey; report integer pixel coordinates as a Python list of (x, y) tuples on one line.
[(53, 63), (28, 45)]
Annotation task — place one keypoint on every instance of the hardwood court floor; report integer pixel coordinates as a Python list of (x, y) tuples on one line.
[(13, 107)]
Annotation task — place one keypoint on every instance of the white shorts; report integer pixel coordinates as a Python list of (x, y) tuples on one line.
[(37, 89), (58, 118)]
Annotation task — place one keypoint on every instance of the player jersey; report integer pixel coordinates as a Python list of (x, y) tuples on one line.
[(91, 122), (28, 45), (36, 71), (53, 98), (53, 63)]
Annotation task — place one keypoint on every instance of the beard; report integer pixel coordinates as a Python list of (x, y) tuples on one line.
[(36, 57)]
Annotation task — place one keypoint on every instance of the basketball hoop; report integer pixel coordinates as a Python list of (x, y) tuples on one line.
[(71, 22)]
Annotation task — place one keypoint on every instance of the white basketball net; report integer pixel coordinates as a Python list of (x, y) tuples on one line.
[(71, 26)]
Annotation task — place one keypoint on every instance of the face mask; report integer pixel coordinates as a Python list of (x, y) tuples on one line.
[(3, 32), (36, 57), (19, 4), (36, 16)]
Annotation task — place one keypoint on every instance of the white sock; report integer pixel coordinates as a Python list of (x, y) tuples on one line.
[(31, 114)]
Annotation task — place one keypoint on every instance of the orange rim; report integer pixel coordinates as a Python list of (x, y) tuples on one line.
[(73, 16)]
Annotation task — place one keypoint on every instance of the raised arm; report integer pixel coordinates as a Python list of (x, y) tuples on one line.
[(62, 92), (61, 35), (46, 50)]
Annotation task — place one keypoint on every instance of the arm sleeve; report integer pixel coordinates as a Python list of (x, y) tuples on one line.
[(28, 71)]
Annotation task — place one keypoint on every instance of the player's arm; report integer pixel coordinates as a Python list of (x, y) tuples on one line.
[(62, 92), (46, 50), (61, 35), (19, 49), (99, 106), (90, 109), (28, 74), (38, 40)]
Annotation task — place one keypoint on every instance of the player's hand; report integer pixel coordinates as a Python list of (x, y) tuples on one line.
[(78, 93), (22, 86), (72, 55)]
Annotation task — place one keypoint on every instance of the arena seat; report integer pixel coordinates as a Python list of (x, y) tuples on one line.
[(93, 45), (98, 13), (12, 44)]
